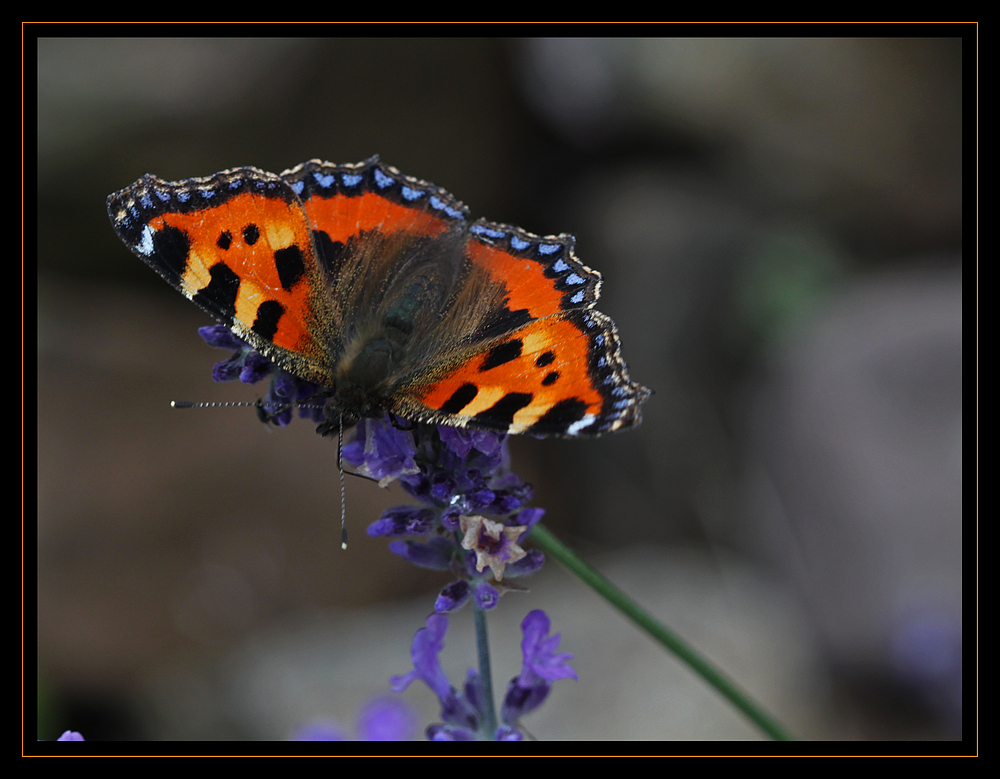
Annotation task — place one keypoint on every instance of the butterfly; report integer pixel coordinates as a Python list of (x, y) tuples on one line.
[(381, 290)]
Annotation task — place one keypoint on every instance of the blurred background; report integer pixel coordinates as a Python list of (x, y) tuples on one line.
[(779, 227)]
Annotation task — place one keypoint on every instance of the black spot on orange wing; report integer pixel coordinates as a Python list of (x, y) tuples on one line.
[(500, 415), (269, 314), (501, 354), (291, 266), (171, 246), (220, 294), (500, 323), (558, 418), (329, 253), (459, 399)]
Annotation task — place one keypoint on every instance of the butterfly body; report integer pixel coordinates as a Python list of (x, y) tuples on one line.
[(378, 288)]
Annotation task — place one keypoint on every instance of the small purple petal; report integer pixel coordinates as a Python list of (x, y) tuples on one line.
[(453, 597), (277, 402), (505, 503), (382, 451), (456, 710), (487, 596), (456, 439), (528, 517), (403, 521), (539, 651), (427, 645), (221, 337), (436, 554), (473, 689), (521, 700), (462, 441), (228, 370), (442, 487), (450, 518), (255, 367), (400, 682), (449, 733), (285, 386), (483, 498), (508, 733), (70, 735), (528, 564)]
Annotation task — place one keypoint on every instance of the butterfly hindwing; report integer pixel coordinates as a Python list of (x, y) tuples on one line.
[(560, 375), (538, 360)]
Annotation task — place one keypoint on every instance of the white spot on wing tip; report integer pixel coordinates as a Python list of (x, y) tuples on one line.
[(145, 246), (576, 427)]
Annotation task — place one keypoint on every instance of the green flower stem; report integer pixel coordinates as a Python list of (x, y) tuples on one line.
[(485, 672), (553, 547)]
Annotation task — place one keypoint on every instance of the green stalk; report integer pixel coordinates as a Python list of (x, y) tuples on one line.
[(553, 547), (485, 673)]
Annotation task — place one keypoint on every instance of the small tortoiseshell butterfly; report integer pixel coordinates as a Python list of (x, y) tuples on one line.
[(377, 287)]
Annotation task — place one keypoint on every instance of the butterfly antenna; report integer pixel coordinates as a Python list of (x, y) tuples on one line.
[(260, 405), (340, 467), (211, 404)]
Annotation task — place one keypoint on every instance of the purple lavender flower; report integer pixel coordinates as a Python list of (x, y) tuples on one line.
[(487, 596), (452, 597), (463, 441), (285, 392), (463, 711), (382, 452), (247, 365), (427, 645), (221, 337), (493, 542), (469, 498), (403, 521), (542, 666), (435, 554)]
